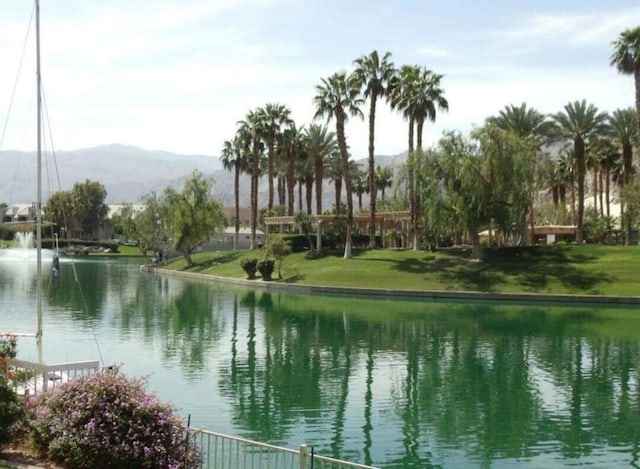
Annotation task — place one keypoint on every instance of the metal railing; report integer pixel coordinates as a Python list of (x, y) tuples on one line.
[(29, 378), (222, 451)]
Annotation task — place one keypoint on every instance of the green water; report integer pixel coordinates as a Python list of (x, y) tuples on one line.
[(391, 383)]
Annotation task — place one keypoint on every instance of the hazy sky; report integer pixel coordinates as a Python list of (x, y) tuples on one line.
[(178, 75)]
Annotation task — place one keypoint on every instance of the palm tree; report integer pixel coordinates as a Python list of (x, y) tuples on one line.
[(337, 97), (626, 58), (320, 144), (233, 160), (333, 172), (418, 95), (579, 123), (384, 175), (521, 120), (359, 185), (291, 152), (625, 132), (249, 133), (374, 77), (272, 118)]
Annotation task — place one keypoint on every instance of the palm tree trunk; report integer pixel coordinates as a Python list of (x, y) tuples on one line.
[(255, 171), (594, 184), (373, 184), (344, 154), (236, 196), (581, 167), (636, 77), (319, 166), (300, 199), (416, 184), (338, 186), (607, 187), (600, 192), (290, 186), (271, 144), (309, 191)]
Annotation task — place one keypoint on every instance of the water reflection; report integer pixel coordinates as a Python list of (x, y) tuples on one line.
[(395, 384)]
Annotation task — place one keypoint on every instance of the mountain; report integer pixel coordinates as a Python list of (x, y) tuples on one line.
[(127, 172)]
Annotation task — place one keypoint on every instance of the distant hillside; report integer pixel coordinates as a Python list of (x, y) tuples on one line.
[(129, 172), (126, 172)]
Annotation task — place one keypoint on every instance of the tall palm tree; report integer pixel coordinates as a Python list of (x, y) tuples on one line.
[(291, 153), (626, 58), (579, 123), (273, 117), (374, 76), (418, 95), (233, 160), (337, 97), (625, 132), (249, 133), (320, 143), (334, 172), (359, 185)]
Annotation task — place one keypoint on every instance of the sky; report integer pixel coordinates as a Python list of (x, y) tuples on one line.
[(178, 75)]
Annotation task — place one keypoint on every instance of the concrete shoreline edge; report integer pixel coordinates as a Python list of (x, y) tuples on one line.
[(401, 294)]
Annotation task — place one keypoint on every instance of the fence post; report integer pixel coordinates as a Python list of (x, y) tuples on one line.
[(303, 456)]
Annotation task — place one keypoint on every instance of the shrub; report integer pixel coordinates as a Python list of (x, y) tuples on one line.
[(265, 267), (107, 420), (12, 410), (249, 266)]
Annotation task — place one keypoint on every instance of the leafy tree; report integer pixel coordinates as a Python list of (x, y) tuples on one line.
[(148, 228), (278, 248), (193, 215), (88, 206), (337, 97), (59, 210), (374, 76), (626, 58), (579, 123)]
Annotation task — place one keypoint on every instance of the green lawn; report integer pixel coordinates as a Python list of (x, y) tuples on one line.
[(560, 269)]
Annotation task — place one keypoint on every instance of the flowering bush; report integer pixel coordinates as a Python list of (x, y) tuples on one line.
[(11, 409), (107, 420)]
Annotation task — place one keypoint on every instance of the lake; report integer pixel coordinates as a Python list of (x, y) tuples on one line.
[(398, 384)]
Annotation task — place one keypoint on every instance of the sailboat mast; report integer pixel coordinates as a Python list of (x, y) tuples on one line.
[(38, 180)]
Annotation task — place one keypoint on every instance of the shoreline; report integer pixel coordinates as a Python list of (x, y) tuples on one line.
[(400, 294)]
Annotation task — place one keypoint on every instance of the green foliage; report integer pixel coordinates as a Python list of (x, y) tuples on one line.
[(12, 410), (250, 267), (149, 229), (192, 215), (278, 248), (59, 210), (89, 208), (107, 420), (265, 267)]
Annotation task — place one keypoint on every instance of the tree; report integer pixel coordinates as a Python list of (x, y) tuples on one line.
[(337, 97), (418, 95), (359, 185), (272, 118), (278, 248), (291, 153), (384, 175), (626, 58), (149, 228), (249, 134), (374, 76), (625, 133), (234, 160), (521, 120), (194, 216), (579, 123), (59, 211), (88, 206), (302, 223), (320, 144)]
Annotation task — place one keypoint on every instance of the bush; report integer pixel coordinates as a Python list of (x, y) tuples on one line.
[(265, 267), (249, 266), (108, 421), (12, 410)]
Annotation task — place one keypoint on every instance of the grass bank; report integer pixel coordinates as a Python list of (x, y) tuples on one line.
[(558, 269)]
